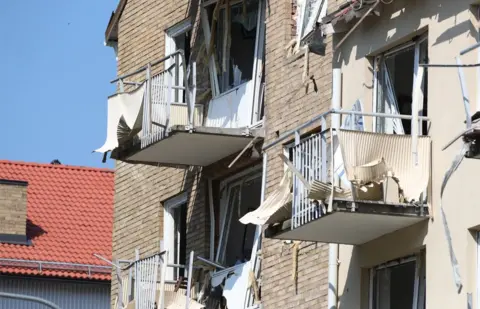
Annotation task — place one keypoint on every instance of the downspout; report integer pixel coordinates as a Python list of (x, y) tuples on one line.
[(333, 248), (212, 220)]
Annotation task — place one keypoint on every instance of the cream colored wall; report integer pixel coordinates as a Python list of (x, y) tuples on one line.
[(451, 28)]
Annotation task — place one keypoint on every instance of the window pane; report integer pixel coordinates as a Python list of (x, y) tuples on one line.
[(395, 287), (241, 236)]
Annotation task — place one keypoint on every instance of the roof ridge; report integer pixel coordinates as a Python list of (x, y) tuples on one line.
[(58, 166)]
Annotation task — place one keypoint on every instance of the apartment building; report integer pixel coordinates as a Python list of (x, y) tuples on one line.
[(201, 87), (395, 174), (295, 154)]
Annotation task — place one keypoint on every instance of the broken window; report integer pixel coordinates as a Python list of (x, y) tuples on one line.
[(308, 13), (234, 34), (237, 239), (397, 285), (395, 73)]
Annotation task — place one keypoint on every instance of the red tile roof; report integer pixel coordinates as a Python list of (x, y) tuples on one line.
[(69, 215)]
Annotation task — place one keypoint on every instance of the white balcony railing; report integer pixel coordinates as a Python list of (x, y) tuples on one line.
[(168, 98)]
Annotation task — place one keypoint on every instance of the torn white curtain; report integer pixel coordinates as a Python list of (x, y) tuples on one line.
[(270, 210), (390, 103), (360, 148), (127, 105)]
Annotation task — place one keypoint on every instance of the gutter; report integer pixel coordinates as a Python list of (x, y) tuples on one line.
[(332, 296)]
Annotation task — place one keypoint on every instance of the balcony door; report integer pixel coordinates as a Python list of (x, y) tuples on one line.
[(395, 75), (399, 284), (174, 234), (177, 37)]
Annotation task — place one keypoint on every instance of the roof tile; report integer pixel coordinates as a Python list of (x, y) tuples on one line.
[(70, 217)]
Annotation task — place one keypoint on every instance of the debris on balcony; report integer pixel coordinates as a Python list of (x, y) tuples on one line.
[(276, 207), (322, 191), (123, 108), (393, 158), (145, 284)]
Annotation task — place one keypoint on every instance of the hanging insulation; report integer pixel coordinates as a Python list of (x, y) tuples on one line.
[(253, 285), (295, 262), (305, 67), (226, 37), (216, 12)]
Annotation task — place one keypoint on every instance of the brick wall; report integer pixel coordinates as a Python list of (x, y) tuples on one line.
[(141, 189), (13, 207), (287, 105)]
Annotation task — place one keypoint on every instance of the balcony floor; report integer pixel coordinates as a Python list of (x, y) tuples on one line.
[(369, 221), (202, 147)]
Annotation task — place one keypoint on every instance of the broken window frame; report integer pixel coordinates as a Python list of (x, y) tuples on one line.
[(379, 70), (419, 285), (226, 187), (318, 11), (173, 243), (258, 56)]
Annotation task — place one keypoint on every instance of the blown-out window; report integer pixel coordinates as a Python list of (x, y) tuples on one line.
[(308, 13), (395, 75)]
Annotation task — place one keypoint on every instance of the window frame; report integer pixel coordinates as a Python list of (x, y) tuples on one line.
[(319, 10), (226, 187), (419, 285), (378, 60), (169, 206), (172, 34), (257, 55)]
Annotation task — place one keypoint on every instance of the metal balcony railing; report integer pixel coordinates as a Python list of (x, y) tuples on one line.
[(144, 283), (313, 157), (310, 158), (168, 99)]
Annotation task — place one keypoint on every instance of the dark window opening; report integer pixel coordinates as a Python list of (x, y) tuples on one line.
[(396, 73)]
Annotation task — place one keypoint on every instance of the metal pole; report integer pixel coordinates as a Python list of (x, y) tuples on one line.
[(355, 27), (393, 116), (30, 298), (469, 49), (143, 68), (287, 134), (333, 249)]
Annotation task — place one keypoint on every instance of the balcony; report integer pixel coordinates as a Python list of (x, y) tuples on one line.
[(154, 119), (351, 186), (151, 282)]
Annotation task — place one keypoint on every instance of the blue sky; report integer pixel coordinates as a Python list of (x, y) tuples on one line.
[(54, 80)]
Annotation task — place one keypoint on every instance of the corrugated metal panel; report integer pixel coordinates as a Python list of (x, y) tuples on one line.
[(179, 115), (359, 148), (65, 293)]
